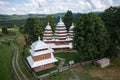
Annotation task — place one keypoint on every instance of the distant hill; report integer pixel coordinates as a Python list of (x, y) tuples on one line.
[(23, 17), (20, 19)]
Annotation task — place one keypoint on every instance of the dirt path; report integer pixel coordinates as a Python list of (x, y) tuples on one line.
[(16, 67), (62, 61), (13, 66), (17, 64)]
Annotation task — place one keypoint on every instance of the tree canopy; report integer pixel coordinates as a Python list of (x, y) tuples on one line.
[(4, 30), (111, 17), (51, 21), (68, 19), (90, 37), (33, 28)]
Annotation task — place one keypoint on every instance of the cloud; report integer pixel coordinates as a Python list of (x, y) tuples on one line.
[(55, 6)]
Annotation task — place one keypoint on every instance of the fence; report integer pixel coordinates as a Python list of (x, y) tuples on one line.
[(25, 61), (52, 73), (75, 65)]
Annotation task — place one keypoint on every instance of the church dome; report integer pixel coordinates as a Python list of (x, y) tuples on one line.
[(48, 26), (60, 23), (72, 26)]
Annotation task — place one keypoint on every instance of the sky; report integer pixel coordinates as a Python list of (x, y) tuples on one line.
[(54, 6)]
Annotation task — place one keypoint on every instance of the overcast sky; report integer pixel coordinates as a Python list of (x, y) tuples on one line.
[(54, 6)]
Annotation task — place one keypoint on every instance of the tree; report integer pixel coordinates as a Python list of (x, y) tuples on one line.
[(38, 29), (33, 29), (90, 37), (28, 28), (111, 17), (51, 21), (4, 30), (68, 19)]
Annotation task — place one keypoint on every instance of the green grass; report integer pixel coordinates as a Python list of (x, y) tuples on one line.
[(27, 53), (115, 61), (87, 76), (25, 69), (5, 54), (91, 67), (46, 71), (65, 75), (68, 56), (23, 66)]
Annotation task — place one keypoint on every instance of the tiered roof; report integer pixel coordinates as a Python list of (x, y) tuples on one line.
[(48, 34), (61, 32), (40, 48), (60, 36), (71, 31)]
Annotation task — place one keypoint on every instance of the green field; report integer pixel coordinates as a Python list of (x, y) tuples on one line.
[(68, 56), (65, 75), (5, 52)]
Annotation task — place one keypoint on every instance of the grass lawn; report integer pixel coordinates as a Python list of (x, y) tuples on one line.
[(5, 52), (68, 56), (65, 75), (20, 42), (46, 71)]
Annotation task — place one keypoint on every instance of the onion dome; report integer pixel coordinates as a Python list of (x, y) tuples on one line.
[(48, 34), (60, 23), (72, 26), (48, 26), (71, 31)]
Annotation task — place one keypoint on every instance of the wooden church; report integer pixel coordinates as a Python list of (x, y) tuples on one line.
[(61, 40), (41, 57)]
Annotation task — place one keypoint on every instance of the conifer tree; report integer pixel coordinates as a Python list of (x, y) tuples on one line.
[(4, 30), (51, 21), (68, 19), (111, 17)]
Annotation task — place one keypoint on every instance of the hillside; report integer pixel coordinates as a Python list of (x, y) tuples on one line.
[(15, 19)]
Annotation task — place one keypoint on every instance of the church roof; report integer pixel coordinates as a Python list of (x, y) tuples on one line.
[(37, 45), (33, 53), (48, 26), (60, 23)]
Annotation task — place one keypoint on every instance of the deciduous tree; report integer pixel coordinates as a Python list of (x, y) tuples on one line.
[(111, 17), (90, 37)]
